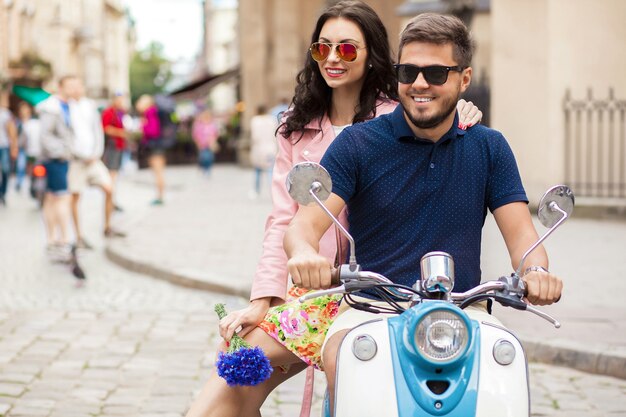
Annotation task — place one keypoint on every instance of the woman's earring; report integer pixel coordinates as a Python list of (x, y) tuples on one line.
[(370, 66)]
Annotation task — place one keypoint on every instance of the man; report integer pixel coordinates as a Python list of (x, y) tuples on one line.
[(278, 110), (8, 148), (414, 183), (57, 137), (86, 168), (262, 147), (115, 135)]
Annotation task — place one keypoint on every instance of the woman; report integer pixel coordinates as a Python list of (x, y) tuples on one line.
[(153, 141), (348, 78), (205, 133)]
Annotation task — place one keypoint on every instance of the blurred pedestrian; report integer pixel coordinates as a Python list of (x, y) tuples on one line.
[(153, 142), (22, 142), (29, 132), (115, 143), (57, 136), (86, 168), (8, 148), (278, 110), (205, 132), (263, 147)]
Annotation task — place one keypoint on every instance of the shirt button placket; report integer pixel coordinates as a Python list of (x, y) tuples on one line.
[(432, 176)]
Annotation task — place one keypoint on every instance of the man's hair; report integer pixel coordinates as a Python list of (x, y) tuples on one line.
[(65, 78), (440, 29)]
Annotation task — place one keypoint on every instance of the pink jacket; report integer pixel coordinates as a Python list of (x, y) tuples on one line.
[(271, 278)]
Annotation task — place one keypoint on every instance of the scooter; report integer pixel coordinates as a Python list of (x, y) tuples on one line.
[(433, 356)]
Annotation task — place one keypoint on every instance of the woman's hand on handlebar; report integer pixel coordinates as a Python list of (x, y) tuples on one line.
[(310, 270), (248, 318)]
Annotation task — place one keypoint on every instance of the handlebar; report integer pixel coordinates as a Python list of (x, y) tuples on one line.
[(508, 291)]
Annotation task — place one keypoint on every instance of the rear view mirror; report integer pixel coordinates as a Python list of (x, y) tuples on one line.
[(306, 178), (556, 203)]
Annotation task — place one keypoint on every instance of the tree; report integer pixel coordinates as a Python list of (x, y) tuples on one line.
[(149, 71)]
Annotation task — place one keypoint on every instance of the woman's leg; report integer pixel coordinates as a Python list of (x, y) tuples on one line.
[(219, 399), (5, 169), (157, 163), (210, 160), (257, 180), (20, 169)]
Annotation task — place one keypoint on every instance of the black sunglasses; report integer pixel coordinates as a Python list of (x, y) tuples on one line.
[(433, 74)]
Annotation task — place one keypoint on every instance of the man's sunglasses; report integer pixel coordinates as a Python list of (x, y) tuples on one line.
[(344, 50), (433, 74)]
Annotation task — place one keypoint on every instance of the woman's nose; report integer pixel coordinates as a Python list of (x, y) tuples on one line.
[(333, 56)]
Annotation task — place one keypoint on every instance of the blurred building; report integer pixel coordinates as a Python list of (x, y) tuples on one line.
[(214, 82), (558, 89), (41, 40), (221, 51)]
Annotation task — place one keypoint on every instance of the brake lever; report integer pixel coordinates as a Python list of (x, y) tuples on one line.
[(517, 291), (544, 316), (336, 290)]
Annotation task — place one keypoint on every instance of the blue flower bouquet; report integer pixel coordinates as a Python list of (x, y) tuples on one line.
[(241, 364)]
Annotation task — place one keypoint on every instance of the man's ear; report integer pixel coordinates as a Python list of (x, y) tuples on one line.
[(466, 78)]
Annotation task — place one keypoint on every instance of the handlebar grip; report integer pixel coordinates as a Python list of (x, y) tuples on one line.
[(526, 294)]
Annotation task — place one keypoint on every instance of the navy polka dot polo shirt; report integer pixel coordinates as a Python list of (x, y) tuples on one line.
[(407, 196)]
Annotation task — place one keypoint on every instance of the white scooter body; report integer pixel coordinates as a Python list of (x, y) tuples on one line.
[(367, 388)]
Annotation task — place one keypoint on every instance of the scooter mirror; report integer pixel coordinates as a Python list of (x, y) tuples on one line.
[(309, 183), (559, 196), (306, 177), (556, 205)]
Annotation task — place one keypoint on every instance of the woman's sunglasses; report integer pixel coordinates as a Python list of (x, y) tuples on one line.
[(344, 50), (433, 74)]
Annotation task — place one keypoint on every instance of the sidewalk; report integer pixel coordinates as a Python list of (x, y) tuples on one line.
[(208, 236)]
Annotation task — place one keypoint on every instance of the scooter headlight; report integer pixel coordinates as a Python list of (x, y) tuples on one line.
[(441, 336)]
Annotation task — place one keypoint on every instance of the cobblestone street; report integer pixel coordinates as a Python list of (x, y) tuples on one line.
[(129, 345)]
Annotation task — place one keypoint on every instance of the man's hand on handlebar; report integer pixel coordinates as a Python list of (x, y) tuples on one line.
[(543, 288), (310, 270)]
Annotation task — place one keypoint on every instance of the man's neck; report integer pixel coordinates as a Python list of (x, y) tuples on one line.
[(434, 133)]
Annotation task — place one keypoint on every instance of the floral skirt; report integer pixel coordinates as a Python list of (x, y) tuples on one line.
[(302, 327)]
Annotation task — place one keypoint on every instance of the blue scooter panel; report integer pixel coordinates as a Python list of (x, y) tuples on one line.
[(429, 388)]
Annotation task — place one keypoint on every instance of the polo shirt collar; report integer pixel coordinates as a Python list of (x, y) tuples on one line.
[(402, 131)]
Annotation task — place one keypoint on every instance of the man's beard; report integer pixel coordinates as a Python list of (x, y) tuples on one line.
[(435, 120)]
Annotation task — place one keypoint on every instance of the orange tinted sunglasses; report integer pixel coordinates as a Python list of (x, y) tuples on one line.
[(345, 51)]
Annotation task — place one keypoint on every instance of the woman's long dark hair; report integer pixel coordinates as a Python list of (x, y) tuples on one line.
[(313, 96)]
